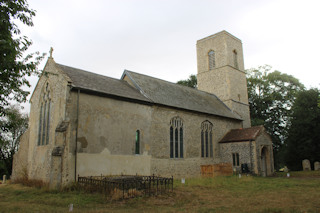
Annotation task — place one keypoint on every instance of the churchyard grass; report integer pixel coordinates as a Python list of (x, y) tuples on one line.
[(299, 193)]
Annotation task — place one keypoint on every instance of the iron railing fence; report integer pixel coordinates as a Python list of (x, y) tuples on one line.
[(127, 186)]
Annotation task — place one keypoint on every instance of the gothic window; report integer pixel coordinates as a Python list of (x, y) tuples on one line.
[(212, 60), (137, 147), (235, 159), (206, 140), (235, 59), (176, 138), (44, 117)]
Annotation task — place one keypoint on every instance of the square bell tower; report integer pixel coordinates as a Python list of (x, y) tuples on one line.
[(221, 72)]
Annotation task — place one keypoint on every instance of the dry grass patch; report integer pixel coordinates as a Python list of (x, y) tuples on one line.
[(220, 194)]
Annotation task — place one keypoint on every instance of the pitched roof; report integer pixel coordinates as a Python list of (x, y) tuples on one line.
[(149, 90), (178, 96), (238, 135), (101, 84)]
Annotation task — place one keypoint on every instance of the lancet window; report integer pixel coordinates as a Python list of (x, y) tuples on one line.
[(137, 144), (212, 59), (235, 59)]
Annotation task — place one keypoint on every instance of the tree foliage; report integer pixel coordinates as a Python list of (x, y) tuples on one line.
[(304, 135), (15, 124), (190, 82), (15, 63), (271, 96)]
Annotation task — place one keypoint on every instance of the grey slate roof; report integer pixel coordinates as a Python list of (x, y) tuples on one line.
[(98, 83), (178, 96), (149, 90)]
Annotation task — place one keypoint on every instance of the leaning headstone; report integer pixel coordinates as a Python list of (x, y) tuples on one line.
[(316, 165), (306, 165), (4, 179)]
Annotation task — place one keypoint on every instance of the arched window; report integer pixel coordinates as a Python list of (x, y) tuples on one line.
[(235, 59), (137, 147), (44, 117), (212, 60), (176, 138), (206, 139)]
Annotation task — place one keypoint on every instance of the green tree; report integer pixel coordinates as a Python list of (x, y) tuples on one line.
[(15, 63), (304, 135), (15, 124), (190, 82), (271, 96)]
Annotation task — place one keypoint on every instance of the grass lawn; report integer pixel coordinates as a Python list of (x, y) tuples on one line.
[(299, 193)]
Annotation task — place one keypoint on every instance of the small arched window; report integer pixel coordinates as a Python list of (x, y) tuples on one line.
[(212, 60), (206, 139), (235, 59), (137, 144), (176, 138), (44, 117)]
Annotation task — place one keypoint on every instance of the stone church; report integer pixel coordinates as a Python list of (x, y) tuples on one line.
[(86, 124)]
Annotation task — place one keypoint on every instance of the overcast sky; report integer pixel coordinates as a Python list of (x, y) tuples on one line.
[(158, 37)]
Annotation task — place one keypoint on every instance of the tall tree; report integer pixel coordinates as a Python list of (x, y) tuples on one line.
[(15, 124), (304, 135), (15, 63), (190, 82), (271, 96)]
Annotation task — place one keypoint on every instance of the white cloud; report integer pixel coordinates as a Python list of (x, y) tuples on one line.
[(158, 38)]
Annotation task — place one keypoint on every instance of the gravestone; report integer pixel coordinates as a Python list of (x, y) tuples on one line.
[(4, 180), (306, 165), (316, 165)]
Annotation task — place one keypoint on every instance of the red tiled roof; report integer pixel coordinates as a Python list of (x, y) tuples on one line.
[(247, 134)]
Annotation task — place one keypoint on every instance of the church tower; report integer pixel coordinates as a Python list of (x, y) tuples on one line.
[(221, 72)]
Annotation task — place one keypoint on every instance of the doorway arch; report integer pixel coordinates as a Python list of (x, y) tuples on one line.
[(265, 162)]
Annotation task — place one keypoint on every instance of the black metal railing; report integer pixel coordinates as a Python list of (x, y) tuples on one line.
[(126, 186)]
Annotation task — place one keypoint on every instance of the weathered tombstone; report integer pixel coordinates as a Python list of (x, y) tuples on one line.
[(4, 179), (285, 169), (316, 165), (306, 165)]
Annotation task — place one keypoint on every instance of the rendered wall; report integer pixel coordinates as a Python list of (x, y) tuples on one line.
[(106, 136), (40, 157), (20, 158)]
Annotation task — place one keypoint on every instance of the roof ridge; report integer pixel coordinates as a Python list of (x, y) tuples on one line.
[(86, 71)]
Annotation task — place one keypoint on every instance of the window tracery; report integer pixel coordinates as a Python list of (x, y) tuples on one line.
[(176, 138), (44, 117), (206, 139)]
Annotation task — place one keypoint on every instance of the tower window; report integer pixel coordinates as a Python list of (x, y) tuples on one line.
[(206, 140), (235, 59), (212, 60), (176, 138)]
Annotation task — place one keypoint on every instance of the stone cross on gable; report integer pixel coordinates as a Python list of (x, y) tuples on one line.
[(51, 50)]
